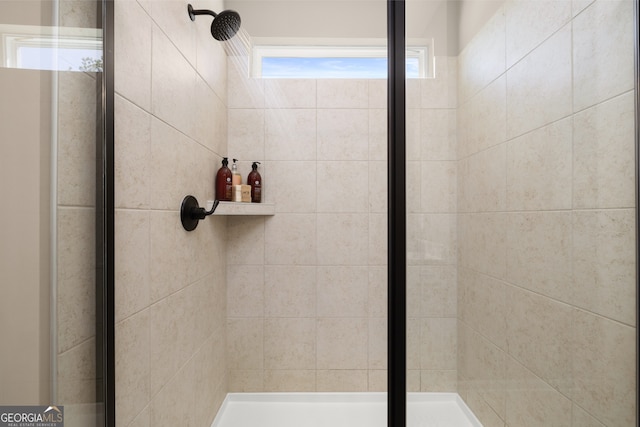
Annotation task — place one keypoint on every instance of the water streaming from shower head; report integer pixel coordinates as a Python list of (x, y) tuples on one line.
[(225, 24)]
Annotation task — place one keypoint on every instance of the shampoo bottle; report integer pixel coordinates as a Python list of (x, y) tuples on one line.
[(255, 181), (223, 182), (235, 175)]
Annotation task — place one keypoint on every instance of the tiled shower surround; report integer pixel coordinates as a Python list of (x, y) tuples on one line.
[(521, 246)]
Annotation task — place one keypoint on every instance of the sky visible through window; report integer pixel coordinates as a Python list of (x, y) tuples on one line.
[(50, 58), (326, 68)]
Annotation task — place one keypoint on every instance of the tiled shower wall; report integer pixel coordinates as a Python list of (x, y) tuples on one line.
[(546, 279), (170, 284), (306, 288)]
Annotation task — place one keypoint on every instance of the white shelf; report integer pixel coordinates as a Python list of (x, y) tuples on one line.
[(240, 208)]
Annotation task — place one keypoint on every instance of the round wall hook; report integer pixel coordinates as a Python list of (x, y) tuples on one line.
[(191, 212)]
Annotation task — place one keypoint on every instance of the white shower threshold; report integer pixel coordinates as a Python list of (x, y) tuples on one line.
[(340, 410)]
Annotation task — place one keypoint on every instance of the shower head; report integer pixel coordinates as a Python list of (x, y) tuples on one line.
[(225, 24)]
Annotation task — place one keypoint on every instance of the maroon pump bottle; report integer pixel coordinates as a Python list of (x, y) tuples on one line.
[(223, 182), (255, 181)]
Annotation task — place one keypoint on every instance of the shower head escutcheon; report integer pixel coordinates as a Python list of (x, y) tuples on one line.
[(225, 24)]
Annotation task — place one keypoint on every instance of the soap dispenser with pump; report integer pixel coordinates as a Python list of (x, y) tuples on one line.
[(255, 181), (235, 175), (224, 182)]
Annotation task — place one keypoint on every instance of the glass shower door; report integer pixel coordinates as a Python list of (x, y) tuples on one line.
[(50, 60), (521, 172)]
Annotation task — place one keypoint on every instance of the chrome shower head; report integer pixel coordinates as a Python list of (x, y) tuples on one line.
[(225, 24)]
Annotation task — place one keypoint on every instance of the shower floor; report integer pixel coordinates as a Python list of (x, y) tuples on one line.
[(340, 410)]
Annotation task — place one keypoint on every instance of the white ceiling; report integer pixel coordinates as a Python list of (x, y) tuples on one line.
[(363, 20)]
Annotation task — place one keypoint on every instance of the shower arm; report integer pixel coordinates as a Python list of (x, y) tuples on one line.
[(191, 212), (193, 13)]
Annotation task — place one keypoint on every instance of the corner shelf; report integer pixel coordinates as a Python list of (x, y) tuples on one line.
[(240, 208)]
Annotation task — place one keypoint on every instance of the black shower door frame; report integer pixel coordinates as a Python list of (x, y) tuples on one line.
[(396, 220)]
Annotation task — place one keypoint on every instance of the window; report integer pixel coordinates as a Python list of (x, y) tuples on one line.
[(42, 48), (271, 61)]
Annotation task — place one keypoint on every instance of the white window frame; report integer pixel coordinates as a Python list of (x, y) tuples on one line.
[(14, 37)]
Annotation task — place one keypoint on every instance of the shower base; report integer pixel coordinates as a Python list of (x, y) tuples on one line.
[(340, 410)]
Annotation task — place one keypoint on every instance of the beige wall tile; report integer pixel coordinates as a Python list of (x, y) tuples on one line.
[(431, 239), (482, 120), (482, 181), (290, 343), (529, 23), (76, 373), (174, 404), (483, 59), (290, 93), (440, 91), (539, 169), (171, 323), (599, 345), (437, 289), (413, 189), (342, 380), (169, 255), (247, 381), (539, 86), (343, 93), (377, 187), (76, 276), (603, 155), (132, 267), (377, 380), (602, 30), (243, 91), (481, 372), (76, 121), (172, 84), (170, 16), (438, 381), (378, 239), (482, 301), (580, 417), (133, 60), (377, 134), (343, 186), (290, 380), (248, 237), (343, 134), (342, 343), (413, 139), (377, 291), (438, 344), (132, 155), (292, 185), (290, 134), (531, 401), (483, 243), (538, 330), (342, 239), (290, 291), (377, 93), (342, 291), (211, 63), (245, 348), (438, 186), (245, 291), (246, 134), (290, 239), (604, 263), (539, 252), (132, 367), (438, 133), (377, 343)]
